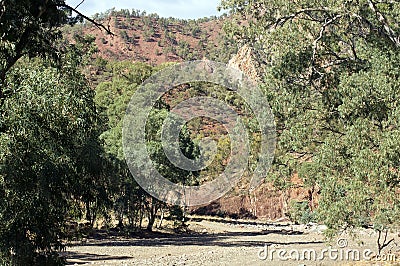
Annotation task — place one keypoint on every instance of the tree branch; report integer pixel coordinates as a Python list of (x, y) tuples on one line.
[(384, 244), (79, 4), (2, 9), (321, 34), (389, 32), (282, 20), (97, 24)]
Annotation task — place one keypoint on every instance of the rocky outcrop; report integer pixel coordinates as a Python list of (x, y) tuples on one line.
[(244, 61)]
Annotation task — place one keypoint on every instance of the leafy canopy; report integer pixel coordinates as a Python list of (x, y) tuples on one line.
[(330, 72)]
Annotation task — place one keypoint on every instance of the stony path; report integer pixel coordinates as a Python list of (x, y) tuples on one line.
[(218, 244)]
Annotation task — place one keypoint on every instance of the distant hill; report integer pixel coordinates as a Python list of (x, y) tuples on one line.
[(149, 38)]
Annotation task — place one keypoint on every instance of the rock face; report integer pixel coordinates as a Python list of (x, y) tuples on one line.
[(244, 61)]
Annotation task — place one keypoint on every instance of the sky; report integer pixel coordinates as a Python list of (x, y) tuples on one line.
[(185, 9)]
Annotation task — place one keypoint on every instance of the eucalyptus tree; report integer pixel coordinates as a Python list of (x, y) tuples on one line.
[(48, 125), (113, 98), (330, 71), (51, 121)]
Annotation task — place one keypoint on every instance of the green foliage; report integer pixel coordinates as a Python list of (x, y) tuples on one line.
[(148, 33), (49, 120), (300, 213), (156, 150), (50, 157), (183, 50), (113, 97), (222, 51), (195, 31), (30, 28), (331, 76)]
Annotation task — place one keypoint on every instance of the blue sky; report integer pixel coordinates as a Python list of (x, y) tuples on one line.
[(166, 8)]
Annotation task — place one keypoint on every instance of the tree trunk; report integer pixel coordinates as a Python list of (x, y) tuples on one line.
[(88, 214), (152, 213), (151, 223), (161, 218), (141, 216), (152, 216)]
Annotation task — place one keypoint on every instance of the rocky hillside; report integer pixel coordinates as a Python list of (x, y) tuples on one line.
[(154, 40)]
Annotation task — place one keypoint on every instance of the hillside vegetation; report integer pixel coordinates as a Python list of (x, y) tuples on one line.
[(143, 37)]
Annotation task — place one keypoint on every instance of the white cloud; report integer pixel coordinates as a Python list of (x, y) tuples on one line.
[(165, 8)]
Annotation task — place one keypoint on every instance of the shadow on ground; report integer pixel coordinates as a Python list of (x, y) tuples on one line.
[(82, 258), (217, 239)]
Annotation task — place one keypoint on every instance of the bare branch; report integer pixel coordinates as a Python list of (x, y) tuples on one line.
[(383, 245), (389, 32), (321, 34), (282, 20), (79, 4), (2, 9), (97, 24)]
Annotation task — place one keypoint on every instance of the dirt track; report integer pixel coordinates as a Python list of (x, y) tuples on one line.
[(220, 244)]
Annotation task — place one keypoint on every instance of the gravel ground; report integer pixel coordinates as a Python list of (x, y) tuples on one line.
[(217, 243)]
